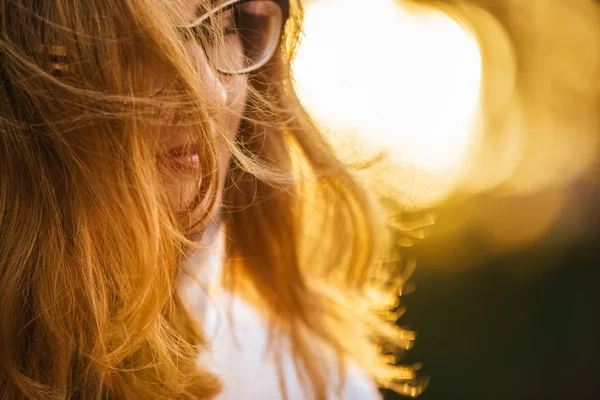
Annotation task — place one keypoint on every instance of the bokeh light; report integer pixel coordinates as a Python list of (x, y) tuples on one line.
[(469, 104), (384, 78)]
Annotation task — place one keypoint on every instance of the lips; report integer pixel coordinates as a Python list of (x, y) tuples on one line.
[(183, 158)]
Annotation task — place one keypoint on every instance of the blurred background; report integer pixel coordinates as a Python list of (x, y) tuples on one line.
[(486, 114)]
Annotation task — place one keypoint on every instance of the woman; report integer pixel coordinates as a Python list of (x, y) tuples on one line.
[(139, 137)]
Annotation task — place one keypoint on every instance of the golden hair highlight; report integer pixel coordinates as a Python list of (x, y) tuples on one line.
[(91, 249)]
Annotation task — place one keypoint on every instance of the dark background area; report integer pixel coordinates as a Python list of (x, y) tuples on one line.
[(497, 330)]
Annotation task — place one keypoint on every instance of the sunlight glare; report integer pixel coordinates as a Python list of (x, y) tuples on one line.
[(403, 82)]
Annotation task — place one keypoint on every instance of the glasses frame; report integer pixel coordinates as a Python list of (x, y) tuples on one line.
[(284, 5)]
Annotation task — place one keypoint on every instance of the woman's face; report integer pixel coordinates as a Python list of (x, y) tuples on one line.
[(229, 92)]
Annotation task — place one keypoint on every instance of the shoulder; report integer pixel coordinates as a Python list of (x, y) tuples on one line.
[(238, 354), (237, 337)]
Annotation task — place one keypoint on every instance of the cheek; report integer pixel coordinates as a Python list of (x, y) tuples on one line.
[(237, 93)]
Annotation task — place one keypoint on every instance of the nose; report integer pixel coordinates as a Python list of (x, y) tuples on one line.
[(209, 76)]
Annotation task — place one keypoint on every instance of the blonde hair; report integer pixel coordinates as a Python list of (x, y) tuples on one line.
[(90, 247)]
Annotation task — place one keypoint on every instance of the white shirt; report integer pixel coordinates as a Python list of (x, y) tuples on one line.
[(237, 337)]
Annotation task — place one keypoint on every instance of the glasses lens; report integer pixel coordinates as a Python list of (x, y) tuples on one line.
[(250, 35)]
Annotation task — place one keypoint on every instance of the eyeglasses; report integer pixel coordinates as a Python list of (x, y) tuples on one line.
[(239, 36)]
